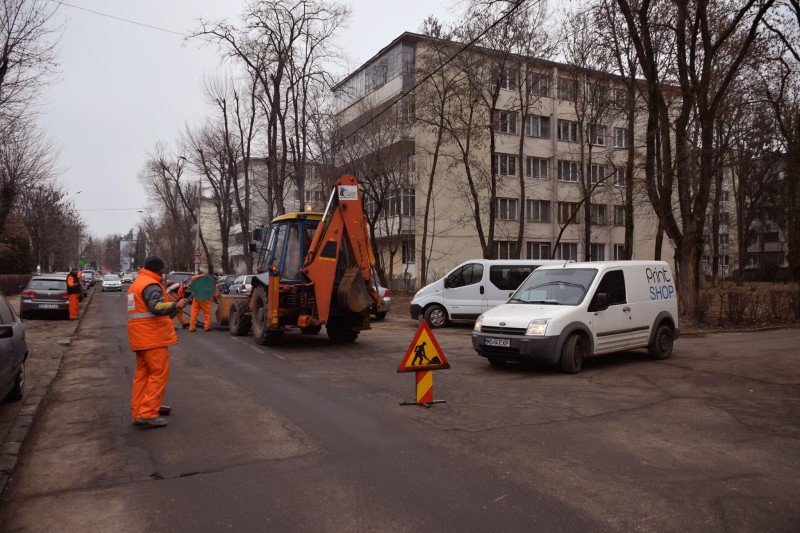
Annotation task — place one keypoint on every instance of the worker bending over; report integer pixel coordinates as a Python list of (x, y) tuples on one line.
[(199, 303)]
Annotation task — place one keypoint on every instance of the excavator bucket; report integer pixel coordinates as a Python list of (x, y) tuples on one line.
[(353, 293)]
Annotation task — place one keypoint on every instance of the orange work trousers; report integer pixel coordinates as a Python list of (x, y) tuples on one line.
[(181, 317), (205, 307), (74, 305), (149, 382)]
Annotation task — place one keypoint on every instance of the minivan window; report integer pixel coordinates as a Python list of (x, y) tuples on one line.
[(613, 284), (466, 275), (563, 286), (509, 277)]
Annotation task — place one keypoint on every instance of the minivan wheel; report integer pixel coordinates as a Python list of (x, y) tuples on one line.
[(436, 315), (573, 354), (661, 347)]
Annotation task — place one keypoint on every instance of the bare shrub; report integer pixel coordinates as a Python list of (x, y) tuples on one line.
[(704, 304), (737, 307)]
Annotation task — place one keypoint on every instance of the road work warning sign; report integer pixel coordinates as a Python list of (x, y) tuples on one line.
[(424, 352)]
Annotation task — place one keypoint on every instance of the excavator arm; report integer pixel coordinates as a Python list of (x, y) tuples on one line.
[(343, 225)]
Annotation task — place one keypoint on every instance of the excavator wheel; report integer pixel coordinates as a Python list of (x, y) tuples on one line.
[(239, 318), (311, 330), (340, 333), (259, 318)]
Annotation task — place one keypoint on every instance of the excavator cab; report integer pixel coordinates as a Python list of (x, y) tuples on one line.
[(287, 245)]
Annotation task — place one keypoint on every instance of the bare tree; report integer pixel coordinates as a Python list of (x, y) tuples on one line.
[(712, 41)]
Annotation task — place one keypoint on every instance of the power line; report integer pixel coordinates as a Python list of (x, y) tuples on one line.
[(60, 2)]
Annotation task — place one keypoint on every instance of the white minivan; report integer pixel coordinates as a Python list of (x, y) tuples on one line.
[(472, 288), (565, 314)]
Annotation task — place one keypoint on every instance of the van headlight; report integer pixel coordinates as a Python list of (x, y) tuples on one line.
[(537, 327), (478, 323)]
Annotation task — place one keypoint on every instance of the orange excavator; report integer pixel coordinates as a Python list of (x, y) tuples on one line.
[(315, 269)]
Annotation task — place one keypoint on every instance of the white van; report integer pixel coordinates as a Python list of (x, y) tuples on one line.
[(472, 288), (565, 314)]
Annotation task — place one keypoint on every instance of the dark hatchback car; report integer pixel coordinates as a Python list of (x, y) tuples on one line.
[(13, 353), (44, 295)]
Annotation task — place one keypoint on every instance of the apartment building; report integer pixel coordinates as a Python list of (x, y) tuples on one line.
[(543, 149)]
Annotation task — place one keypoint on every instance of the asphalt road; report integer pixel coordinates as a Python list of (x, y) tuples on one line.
[(310, 436)]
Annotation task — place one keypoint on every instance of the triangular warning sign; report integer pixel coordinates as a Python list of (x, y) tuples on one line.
[(424, 352)]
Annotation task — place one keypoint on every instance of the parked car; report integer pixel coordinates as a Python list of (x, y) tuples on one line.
[(242, 285), (111, 282), (385, 294), (45, 294), (88, 277), (224, 283), (127, 278), (13, 353)]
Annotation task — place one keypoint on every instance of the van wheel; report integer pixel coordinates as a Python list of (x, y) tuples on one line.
[(661, 347), (436, 315), (573, 353)]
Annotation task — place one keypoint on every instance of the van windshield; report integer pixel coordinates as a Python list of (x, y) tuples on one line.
[(562, 286)]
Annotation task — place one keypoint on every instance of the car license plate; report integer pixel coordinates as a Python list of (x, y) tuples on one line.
[(48, 306), (497, 342)]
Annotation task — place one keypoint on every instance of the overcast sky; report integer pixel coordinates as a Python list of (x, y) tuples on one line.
[(124, 87)]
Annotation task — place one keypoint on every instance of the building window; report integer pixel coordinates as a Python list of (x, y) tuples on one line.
[(507, 122), (507, 208), (536, 126), (567, 130), (568, 170), (620, 176), (538, 84), (752, 261), (620, 137), (771, 236), (567, 251), (597, 135), (314, 197), (408, 252), (724, 195), (536, 167), (411, 163), (505, 249), (598, 214), (619, 252), (568, 212), (619, 215), (505, 164), (597, 173), (724, 239), (538, 250), (567, 89), (621, 97), (401, 202), (509, 79), (597, 252), (537, 210), (725, 218)]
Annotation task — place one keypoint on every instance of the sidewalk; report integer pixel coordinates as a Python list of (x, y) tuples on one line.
[(48, 341)]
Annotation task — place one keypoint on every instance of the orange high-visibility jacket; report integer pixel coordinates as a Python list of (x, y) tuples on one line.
[(145, 329)]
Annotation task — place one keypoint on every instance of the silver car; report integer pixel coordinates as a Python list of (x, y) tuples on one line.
[(242, 285), (13, 353), (111, 282), (386, 295)]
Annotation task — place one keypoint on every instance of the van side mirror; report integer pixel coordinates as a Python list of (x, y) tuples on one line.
[(448, 283), (601, 302), (6, 332)]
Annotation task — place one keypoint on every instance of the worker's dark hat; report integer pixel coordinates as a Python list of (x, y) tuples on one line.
[(154, 263)]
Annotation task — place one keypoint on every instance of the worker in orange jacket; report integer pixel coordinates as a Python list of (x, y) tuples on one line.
[(199, 305), (73, 292), (175, 292), (150, 333)]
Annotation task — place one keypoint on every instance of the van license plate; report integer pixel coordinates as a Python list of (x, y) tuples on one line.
[(497, 342), (48, 306)]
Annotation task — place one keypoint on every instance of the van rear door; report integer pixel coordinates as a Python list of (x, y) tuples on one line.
[(464, 291)]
